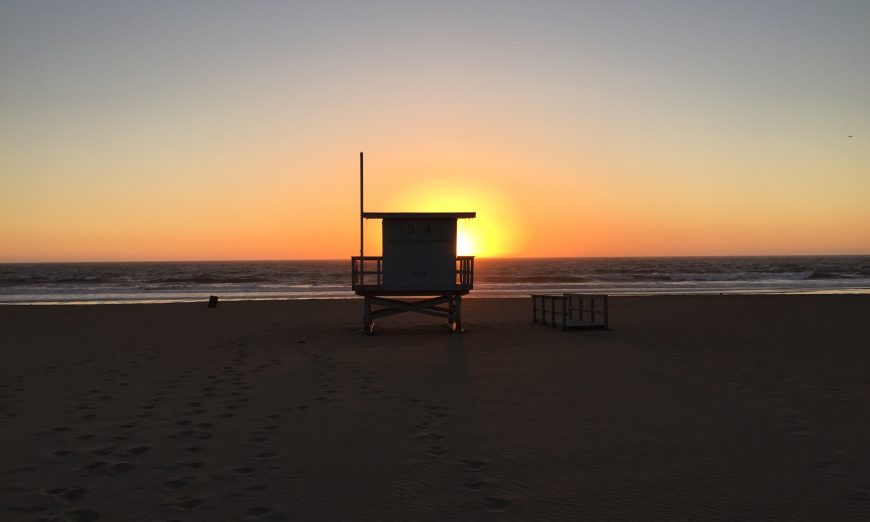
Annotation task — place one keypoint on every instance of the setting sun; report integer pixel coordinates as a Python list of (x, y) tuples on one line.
[(466, 243), (495, 232)]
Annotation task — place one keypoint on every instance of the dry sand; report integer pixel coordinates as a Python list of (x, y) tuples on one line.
[(705, 408)]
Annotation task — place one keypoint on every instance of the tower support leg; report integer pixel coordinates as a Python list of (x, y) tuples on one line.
[(457, 314), (368, 321)]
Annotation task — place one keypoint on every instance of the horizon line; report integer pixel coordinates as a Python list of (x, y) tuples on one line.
[(517, 258)]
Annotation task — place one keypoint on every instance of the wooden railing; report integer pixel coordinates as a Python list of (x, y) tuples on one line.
[(570, 310), (465, 271), (359, 272), (368, 272)]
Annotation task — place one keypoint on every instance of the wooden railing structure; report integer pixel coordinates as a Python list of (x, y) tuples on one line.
[(570, 311), (465, 272), (358, 272), (363, 277)]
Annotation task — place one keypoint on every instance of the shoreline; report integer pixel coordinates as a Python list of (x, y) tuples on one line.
[(473, 295)]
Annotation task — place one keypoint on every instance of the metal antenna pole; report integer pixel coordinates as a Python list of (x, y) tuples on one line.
[(361, 258)]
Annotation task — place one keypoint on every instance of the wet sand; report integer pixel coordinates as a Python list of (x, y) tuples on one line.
[(706, 408)]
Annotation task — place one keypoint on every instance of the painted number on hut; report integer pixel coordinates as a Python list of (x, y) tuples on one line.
[(427, 229)]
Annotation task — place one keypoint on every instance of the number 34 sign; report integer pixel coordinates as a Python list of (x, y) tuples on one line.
[(426, 228)]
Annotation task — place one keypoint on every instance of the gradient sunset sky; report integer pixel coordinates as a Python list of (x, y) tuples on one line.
[(185, 130)]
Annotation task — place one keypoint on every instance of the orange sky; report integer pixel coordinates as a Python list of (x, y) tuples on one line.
[(618, 130)]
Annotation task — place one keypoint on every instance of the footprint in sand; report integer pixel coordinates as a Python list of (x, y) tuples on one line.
[(118, 468), (63, 453), (474, 485), (94, 466), (496, 504), (73, 494), (473, 465), (177, 482), (257, 512), (83, 515), (435, 451), (245, 471), (187, 503), (189, 465)]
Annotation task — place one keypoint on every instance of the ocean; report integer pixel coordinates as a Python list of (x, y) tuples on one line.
[(159, 282)]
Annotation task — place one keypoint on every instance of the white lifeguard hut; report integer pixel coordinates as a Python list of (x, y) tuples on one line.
[(419, 260)]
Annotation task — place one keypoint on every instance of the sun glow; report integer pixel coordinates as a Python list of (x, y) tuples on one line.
[(466, 243), (484, 236)]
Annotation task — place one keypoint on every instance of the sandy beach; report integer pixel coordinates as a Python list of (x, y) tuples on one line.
[(693, 407)]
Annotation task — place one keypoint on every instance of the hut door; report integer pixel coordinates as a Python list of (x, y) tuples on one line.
[(419, 254)]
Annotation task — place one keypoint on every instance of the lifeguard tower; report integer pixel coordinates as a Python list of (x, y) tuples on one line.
[(419, 261)]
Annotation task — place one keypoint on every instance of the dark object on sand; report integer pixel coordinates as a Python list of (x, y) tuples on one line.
[(212, 301), (571, 311)]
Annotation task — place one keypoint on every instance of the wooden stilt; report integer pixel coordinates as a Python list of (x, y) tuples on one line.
[(428, 306), (457, 319)]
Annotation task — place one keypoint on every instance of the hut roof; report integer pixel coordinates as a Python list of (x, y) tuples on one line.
[(419, 215)]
